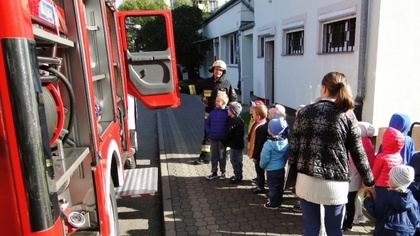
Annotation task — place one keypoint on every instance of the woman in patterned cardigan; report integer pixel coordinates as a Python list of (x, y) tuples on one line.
[(323, 135)]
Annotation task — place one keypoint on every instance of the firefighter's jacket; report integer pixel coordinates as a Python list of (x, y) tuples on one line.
[(209, 88)]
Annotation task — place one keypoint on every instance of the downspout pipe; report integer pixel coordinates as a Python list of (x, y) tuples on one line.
[(362, 72), (248, 5)]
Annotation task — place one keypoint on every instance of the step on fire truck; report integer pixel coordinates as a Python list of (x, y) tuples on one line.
[(66, 133)]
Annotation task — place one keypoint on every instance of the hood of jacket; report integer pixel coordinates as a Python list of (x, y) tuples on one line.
[(278, 146), (401, 201), (393, 141), (400, 122)]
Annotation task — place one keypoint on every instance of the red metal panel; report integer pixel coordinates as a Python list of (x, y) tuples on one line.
[(16, 23), (111, 134), (15, 19), (47, 13), (158, 100)]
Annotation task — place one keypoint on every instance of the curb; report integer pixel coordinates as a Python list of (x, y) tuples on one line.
[(168, 213)]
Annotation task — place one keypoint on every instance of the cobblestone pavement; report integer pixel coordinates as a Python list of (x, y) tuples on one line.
[(194, 205)]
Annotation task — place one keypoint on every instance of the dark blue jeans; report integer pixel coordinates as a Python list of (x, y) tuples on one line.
[(311, 214), (236, 159), (275, 182)]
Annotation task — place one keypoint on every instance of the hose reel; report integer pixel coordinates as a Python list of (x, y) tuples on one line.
[(54, 110)]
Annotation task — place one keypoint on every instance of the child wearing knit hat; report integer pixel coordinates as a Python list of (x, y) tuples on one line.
[(235, 140), (396, 211), (273, 160), (277, 111), (415, 185)]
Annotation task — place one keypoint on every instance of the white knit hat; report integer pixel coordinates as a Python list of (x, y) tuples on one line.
[(401, 176)]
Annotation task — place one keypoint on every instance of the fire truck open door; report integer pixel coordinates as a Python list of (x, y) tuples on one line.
[(149, 55)]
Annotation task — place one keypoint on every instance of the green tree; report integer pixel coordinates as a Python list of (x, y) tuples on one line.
[(143, 5), (180, 3), (145, 33), (190, 46)]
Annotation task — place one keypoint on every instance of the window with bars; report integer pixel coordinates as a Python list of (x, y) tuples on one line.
[(339, 36), (232, 50), (294, 42)]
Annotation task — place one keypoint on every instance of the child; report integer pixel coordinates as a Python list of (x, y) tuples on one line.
[(256, 140), (216, 128), (367, 131), (273, 160), (235, 140), (396, 211), (392, 142), (276, 112), (415, 185), (252, 105), (355, 184), (401, 122)]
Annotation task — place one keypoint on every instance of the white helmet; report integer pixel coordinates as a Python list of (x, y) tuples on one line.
[(220, 64)]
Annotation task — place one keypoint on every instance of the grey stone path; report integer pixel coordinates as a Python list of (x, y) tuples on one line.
[(194, 205)]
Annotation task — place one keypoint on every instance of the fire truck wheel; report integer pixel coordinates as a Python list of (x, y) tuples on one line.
[(114, 209)]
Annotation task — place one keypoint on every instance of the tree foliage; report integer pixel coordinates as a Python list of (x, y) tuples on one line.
[(191, 47), (146, 33), (180, 3), (128, 5)]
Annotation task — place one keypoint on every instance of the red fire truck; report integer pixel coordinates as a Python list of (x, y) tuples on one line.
[(66, 68)]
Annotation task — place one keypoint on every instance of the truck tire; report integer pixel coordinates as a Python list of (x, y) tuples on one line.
[(114, 226)]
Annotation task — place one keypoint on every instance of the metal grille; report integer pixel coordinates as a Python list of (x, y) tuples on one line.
[(339, 36), (294, 43)]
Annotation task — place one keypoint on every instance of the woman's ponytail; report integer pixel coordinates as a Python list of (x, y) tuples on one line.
[(337, 86)]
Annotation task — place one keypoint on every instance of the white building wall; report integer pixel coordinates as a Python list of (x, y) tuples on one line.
[(393, 75), (298, 77), (226, 24), (392, 56)]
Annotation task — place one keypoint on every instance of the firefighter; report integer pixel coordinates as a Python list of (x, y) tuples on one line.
[(208, 88)]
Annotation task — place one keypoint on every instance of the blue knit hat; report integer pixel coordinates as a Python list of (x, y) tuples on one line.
[(277, 126)]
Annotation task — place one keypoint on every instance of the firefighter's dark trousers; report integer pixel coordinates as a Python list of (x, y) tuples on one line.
[(205, 148)]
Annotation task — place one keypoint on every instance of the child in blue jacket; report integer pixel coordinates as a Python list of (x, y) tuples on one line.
[(273, 160), (396, 211), (216, 128)]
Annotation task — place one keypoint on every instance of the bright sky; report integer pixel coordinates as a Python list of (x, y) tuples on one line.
[(118, 2)]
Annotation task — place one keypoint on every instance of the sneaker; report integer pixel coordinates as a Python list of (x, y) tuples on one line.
[(257, 190), (361, 219), (268, 206), (296, 206), (234, 180), (347, 229), (212, 176), (254, 180), (223, 176), (201, 161)]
